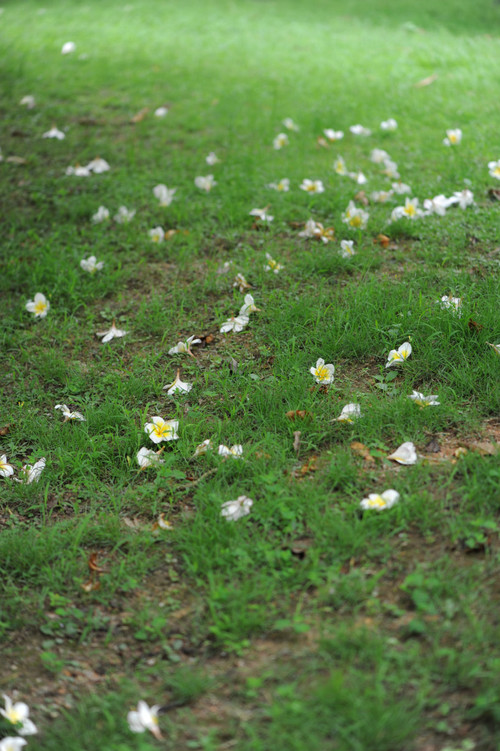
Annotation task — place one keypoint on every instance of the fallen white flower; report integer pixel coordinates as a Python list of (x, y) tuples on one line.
[(234, 510), (178, 385), (248, 306), (145, 718), (389, 125), (289, 124), (464, 198), (148, 458), (380, 502), (39, 306), (164, 195), (283, 186), (312, 186), (54, 133), (347, 249), (206, 182), (496, 347), (157, 234), (452, 303), (6, 469), (112, 333), (182, 348), (161, 111), (379, 156), (424, 401), (405, 454), (359, 130), (68, 415), (98, 165), (333, 135), (400, 188), (203, 447), (78, 171), (68, 48), (235, 323), (91, 264), (494, 169), (162, 430), (261, 214), (280, 141), (31, 473), (124, 215), (272, 265), (235, 452), (28, 101), (398, 356), (349, 413), (101, 215), (453, 137), (241, 283), (212, 159), (323, 374)]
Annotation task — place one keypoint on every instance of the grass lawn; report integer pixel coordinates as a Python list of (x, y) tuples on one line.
[(311, 621)]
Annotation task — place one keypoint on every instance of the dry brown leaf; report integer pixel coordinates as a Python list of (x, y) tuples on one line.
[(311, 465), (92, 564), (474, 325), (485, 448), (5, 429), (383, 240), (494, 194), (322, 142), (300, 414), (140, 115), (91, 585), (425, 81), (135, 524), (361, 450), (433, 447), (362, 198)]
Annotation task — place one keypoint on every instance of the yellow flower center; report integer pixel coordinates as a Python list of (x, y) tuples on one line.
[(377, 502), (356, 221), (410, 210), (14, 716), (311, 188), (322, 373), (496, 171), (162, 430), (40, 307), (453, 137)]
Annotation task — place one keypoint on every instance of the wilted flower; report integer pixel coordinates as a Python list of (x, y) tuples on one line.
[(453, 303), (178, 385), (112, 333), (162, 430), (98, 165), (389, 125), (323, 374), (347, 249), (398, 356), (124, 215), (164, 195), (272, 265), (340, 166), (349, 413), (68, 415), (494, 168), (280, 141), (148, 458), (54, 133), (378, 156), (164, 523), (39, 306), (6, 469), (235, 323), (145, 718), (400, 188), (381, 196), (234, 510), (248, 306), (182, 348), (241, 283), (312, 186), (68, 48), (355, 218), (464, 198), (283, 185), (453, 137), (212, 159), (261, 214), (11, 743), (89, 264), (203, 447), (382, 501), (31, 473), (205, 183), (101, 215), (317, 231), (157, 234), (333, 135), (359, 130), (405, 454), (235, 452), (496, 348), (161, 111), (28, 101), (78, 171), (289, 124), (424, 401)]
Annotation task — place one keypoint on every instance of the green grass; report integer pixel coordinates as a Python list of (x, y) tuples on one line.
[(308, 621)]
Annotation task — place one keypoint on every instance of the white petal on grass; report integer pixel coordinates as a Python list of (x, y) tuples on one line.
[(453, 137), (380, 501), (101, 215), (148, 458), (283, 186), (261, 214), (424, 401), (212, 159), (323, 374), (164, 195), (234, 510), (32, 473), (398, 356), (54, 133), (91, 264), (68, 414), (350, 413), (312, 186), (157, 234), (112, 333), (360, 130), (6, 469), (346, 248), (178, 385), (241, 283), (78, 171), (235, 452), (12, 743), (184, 348), (280, 141), (162, 430), (404, 454), (289, 124), (144, 718), (248, 306), (68, 48), (447, 302), (161, 111), (333, 135), (28, 101), (98, 165), (235, 323), (272, 265), (205, 183), (124, 215), (389, 125), (39, 306)]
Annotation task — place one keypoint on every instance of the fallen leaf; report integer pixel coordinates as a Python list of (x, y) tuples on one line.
[(140, 115), (460, 451), (311, 465), (474, 325), (433, 447), (5, 429), (233, 365), (485, 448), (361, 450), (383, 240), (207, 339), (322, 142), (92, 564), (298, 414), (91, 585), (362, 198), (299, 547), (16, 160), (425, 81), (494, 194), (18, 134)]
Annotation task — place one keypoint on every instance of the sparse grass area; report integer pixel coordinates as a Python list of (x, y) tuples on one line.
[(308, 622)]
